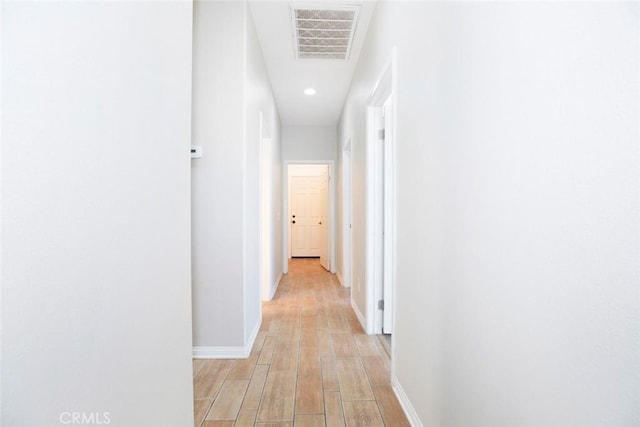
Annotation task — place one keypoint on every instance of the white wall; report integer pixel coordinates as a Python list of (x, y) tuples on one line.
[(231, 89), (218, 177), (309, 143), (96, 280), (260, 99), (517, 209), (1, 203)]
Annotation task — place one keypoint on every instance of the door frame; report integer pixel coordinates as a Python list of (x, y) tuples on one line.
[(264, 225), (331, 239), (347, 215), (384, 88)]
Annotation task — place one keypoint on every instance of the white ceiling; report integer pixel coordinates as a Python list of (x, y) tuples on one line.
[(290, 76)]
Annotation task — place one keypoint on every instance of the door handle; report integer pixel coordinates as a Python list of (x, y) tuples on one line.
[(320, 223), (293, 222)]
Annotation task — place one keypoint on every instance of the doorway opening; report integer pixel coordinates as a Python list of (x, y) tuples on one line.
[(309, 206), (347, 197), (268, 214), (381, 178)]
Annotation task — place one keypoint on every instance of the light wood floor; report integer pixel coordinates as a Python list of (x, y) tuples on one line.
[(311, 365)]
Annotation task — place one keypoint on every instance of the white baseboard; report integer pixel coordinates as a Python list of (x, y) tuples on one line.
[(252, 338), (359, 315), (274, 287), (228, 352), (408, 408), (219, 352), (341, 280)]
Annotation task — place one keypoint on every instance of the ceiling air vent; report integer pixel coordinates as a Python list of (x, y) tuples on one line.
[(324, 33)]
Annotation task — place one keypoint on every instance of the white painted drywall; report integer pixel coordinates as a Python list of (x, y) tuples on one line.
[(96, 310), (309, 143), (518, 294), (231, 89), (1, 203), (259, 96), (218, 177)]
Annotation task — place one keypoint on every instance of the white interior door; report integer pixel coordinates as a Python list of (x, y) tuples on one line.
[(305, 216), (323, 182)]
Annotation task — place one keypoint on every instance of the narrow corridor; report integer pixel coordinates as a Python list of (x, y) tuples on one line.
[(311, 365)]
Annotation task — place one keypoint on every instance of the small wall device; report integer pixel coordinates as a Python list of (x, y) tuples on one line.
[(196, 151)]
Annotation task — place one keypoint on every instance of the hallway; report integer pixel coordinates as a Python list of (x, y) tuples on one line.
[(311, 365)]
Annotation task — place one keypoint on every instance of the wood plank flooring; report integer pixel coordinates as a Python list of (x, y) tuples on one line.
[(311, 365)]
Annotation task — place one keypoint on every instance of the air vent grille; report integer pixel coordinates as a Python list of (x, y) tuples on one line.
[(324, 33)]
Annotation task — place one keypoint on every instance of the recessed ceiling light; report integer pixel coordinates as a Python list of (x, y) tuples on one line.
[(309, 91)]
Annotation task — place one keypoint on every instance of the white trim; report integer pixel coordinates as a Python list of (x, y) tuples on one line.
[(347, 214), (333, 217), (274, 287), (369, 227), (219, 352), (404, 401), (389, 223), (359, 315), (228, 352), (339, 276), (252, 338), (332, 211), (261, 217), (383, 89)]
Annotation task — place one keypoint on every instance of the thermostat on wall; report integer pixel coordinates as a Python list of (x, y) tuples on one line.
[(196, 151)]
